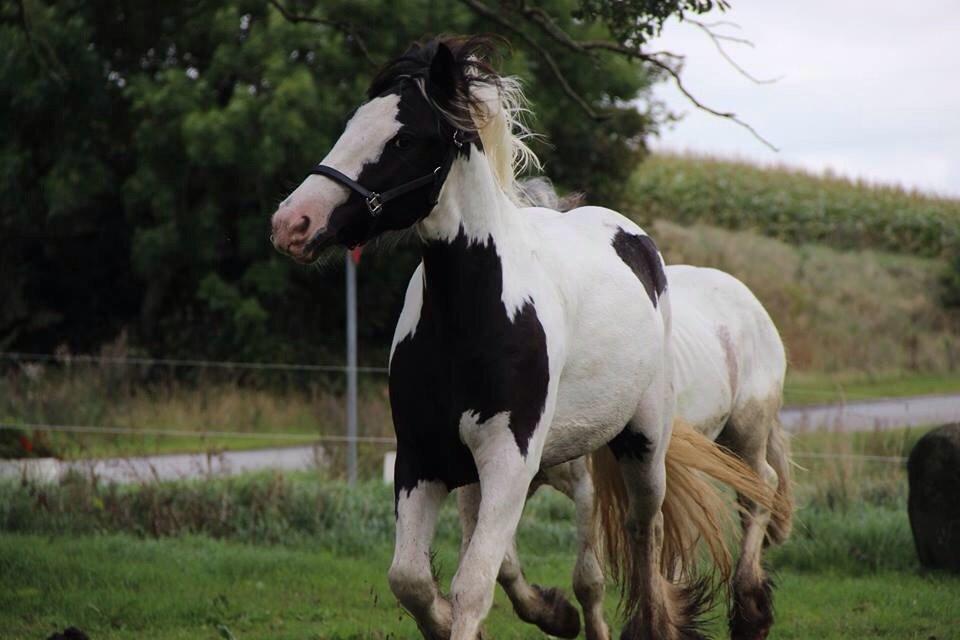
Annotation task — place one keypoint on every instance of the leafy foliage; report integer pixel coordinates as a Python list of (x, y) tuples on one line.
[(637, 21), (950, 282), (145, 145)]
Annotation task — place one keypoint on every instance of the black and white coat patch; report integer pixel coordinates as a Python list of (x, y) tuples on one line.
[(497, 334), (467, 360), (527, 338)]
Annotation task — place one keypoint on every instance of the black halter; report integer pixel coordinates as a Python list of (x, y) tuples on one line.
[(375, 200)]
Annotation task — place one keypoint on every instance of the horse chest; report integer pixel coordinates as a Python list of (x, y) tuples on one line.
[(463, 355)]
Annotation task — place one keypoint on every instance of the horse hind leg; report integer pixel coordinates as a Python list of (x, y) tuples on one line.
[(657, 609), (751, 611), (548, 609)]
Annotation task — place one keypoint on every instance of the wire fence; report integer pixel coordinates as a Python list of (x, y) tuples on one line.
[(293, 437), (307, 438), (823, 455), (200, 433), (14, 356), (832, 392)]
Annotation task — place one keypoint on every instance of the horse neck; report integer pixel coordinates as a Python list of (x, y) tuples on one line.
[(471, 203), (467, 238)]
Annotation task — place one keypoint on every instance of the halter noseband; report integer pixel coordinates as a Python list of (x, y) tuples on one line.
[(376, 200)]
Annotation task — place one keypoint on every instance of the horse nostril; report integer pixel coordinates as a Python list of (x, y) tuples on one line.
[(302, 225)]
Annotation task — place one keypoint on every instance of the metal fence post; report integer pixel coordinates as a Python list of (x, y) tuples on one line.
[(351, 370)]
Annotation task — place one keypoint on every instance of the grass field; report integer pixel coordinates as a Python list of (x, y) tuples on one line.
[(862, 314), (819, 388), (120, 587), (793, 205), (271, 556)]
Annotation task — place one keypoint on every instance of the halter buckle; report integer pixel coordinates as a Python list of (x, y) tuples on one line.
[(374, 205)]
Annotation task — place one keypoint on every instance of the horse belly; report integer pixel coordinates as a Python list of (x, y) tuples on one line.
[(614, 359)]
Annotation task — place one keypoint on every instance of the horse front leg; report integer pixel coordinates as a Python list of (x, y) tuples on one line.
[(411, 577), (505, 476), (544, 607)]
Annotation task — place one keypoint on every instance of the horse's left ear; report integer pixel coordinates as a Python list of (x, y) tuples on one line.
[(443, 72)]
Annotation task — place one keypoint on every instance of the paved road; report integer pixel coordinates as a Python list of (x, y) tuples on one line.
[(174, 466), (874, 414), (856, 416)]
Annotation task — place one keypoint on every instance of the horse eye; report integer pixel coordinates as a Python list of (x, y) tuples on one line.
[(400, 142)]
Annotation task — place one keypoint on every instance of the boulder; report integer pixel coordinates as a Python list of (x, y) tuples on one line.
[(934, 504)]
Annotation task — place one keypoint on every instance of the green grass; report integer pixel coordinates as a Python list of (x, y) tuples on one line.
[(793, 205), (820, 388), (120, 587), (297, 556)]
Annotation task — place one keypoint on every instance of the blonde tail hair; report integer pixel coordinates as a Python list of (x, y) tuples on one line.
[(694, 510), (778, 457)]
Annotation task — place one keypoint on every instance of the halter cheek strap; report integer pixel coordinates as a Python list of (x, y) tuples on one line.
[(375, 200)]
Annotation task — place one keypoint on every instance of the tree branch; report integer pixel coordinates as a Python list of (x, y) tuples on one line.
[(716, 38), (550, 28), (729, 115), (485, 11), (708, 28), (343, 27)]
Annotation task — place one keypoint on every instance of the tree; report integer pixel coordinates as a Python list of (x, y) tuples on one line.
[(145, 145)]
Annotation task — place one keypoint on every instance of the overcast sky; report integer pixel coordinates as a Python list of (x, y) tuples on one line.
[(868, 89)]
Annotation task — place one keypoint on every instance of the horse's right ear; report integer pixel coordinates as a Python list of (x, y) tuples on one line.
[(443, 72)]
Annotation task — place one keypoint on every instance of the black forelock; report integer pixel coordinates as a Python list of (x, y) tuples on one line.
[(414, 63), (473, 57)]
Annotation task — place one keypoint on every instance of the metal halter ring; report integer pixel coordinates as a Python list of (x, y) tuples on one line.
[(374, 204)]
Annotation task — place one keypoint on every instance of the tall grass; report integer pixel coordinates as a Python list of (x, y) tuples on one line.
[(838, 311), (793, 205), (264, 508), (851, 515), (112, 396)]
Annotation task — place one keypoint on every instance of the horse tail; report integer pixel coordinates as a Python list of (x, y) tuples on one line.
[(778, 457), (694, 510)]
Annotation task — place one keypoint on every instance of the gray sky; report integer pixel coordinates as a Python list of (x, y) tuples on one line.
[(869, 89)]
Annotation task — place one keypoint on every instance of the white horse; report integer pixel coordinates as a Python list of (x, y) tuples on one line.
[(527, 339), (729, 367)]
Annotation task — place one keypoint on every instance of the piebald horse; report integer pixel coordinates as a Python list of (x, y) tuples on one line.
[(527, 338), (729, 367)]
